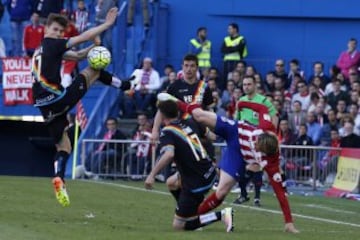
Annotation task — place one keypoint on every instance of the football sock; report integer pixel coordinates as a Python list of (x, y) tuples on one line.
[(242, 185), (106, 77), (257, 189), (202, 220), (209, 203), (61, 159), (176, 194), (191, 107)]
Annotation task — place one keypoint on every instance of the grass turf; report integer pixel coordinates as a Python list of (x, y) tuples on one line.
[(123, 210)]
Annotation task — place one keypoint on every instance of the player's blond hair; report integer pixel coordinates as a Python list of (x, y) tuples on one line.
[(268, 144)]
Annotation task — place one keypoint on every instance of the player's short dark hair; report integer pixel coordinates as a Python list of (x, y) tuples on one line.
[(268, 144), (114, 119), (60, 19), (168, 108), (191, 57), (251, 77)]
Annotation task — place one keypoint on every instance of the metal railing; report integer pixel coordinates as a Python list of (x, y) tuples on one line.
[(312, 166)]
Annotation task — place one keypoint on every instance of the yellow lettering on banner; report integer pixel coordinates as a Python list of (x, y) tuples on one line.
[(348, 173)]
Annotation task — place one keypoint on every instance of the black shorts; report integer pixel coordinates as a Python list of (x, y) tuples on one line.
[(188, 203), (55, 113)]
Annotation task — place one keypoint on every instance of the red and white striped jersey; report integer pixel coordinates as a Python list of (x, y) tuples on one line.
[(248, 134)]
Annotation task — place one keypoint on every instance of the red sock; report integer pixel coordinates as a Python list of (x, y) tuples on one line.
[(182, 106), (191, 107), (209, 204)]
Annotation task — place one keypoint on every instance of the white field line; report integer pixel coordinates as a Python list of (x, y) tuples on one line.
[(235, 205), (328, 208)]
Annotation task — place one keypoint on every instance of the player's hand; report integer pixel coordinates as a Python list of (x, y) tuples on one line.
[(290, 228), (111, 16), (149, 182)]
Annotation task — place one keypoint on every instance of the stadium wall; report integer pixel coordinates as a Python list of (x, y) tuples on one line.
[(304, 29)]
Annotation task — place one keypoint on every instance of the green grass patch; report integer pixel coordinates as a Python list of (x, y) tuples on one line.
[(123, 210)]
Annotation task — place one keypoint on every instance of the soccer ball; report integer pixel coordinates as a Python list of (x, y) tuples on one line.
[(99, 57)]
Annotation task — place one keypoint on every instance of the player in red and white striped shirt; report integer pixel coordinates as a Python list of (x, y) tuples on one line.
[(256, 145)]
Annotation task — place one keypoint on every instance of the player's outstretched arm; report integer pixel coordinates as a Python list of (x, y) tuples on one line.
[(164, 161), (77, 55), (93, 32)]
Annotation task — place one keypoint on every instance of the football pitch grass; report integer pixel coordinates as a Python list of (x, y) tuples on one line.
[(124, 210)]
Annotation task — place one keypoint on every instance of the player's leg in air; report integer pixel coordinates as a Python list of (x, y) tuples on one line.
[(231, 166), (74, 93)]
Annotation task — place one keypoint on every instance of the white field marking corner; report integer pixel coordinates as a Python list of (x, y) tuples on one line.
[(235, 205)]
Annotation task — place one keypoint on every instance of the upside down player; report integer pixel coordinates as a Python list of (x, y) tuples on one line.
[(179, 141), (53, 100), (239, 135)]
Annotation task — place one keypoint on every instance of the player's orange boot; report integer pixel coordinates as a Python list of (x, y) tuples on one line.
[(60, 191)]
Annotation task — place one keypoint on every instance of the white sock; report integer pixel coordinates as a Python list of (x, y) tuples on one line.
[(116, 82), (66, 80), (209, 217)]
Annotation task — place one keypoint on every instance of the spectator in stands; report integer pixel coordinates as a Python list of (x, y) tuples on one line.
[(142, 156), (314, 101), (280, 71), (234, 49), (167, 70), (337, 94), (240, 68), (350, 140), (323, 100), (340, 109), (281, 112), (237, 78), (227, 93), (301, 157), (355, 86), (101, 9), (294, 70), (147, 82), (145, 13), (232, 106), (81, 17), (354, 97), (314, 128), (213, 87), (319, 83), (302, 95), (355, 114), (346, 117), (328, 163), (297, 117), (285, 134), (353, 75), (169, 80), (45, 7), (269, 82), (318, 71), (214, 74), (250, 71), (33, 35), (320, 114), (201, 47), (349, 58), (107, 155), (20, 13), (332, 123), (68, 67)]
